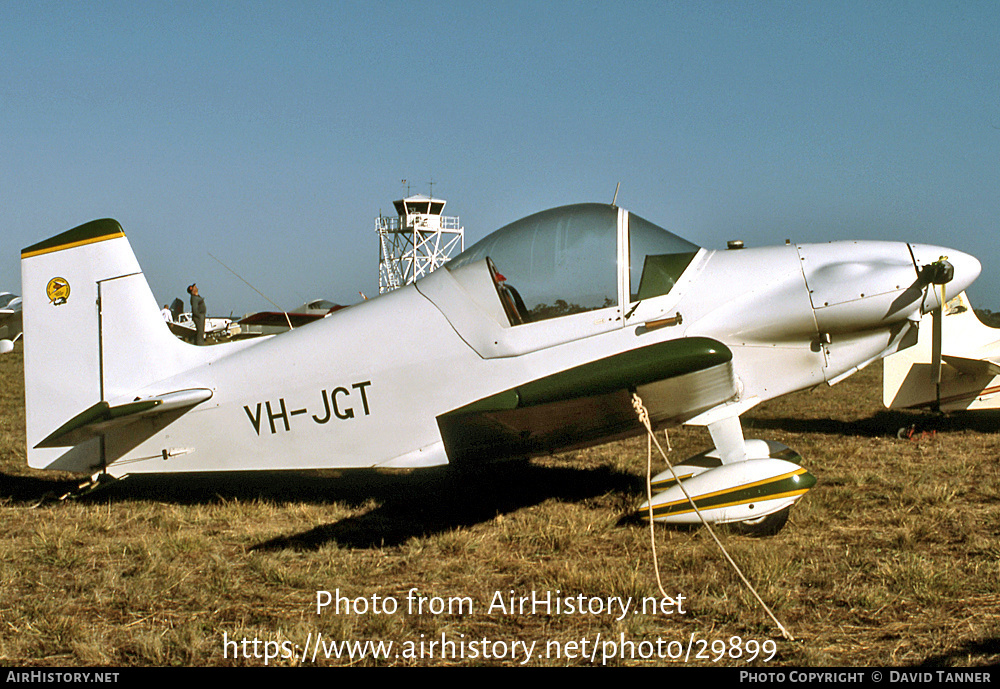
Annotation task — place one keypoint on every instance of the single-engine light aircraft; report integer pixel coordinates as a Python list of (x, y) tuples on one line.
[(531, 341), (182, 325)]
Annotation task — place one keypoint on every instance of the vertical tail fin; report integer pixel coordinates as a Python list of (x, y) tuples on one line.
[(92, 333)]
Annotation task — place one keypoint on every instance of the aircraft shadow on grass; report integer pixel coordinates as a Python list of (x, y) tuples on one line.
[(434, 506), (882, 424), (407, 505)]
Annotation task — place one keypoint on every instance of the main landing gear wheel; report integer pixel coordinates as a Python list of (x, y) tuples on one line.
[(767, 525)]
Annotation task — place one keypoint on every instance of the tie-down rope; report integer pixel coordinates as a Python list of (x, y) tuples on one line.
[(640, 409)]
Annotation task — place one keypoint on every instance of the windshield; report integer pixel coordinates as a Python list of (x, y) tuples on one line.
[(565, 260), (656, 258), (559, 261)]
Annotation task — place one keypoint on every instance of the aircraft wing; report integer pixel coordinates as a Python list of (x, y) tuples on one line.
[(592, 403), (973, 367), (214, 327), (280, 318), (180, 330), (10, 324)]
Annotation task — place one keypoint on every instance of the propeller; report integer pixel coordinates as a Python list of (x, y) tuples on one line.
[(939, 273)]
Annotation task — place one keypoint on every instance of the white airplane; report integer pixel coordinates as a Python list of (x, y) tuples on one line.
[(183, 326), (216, 328), (454, 369), (10, 321), (955, 365)]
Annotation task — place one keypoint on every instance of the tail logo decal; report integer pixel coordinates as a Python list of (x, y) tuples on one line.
[(57, 291)]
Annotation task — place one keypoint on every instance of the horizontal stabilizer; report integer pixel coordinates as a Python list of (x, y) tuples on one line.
[(281, 319), (973, 367), (100, 417)]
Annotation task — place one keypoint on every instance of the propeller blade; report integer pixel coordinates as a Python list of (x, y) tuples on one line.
[(938, 273), (937, 334)]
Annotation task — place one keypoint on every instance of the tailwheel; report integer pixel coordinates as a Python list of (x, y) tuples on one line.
[(768, 525)]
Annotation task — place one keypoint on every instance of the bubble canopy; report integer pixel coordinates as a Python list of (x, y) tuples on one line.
[(565, 260)]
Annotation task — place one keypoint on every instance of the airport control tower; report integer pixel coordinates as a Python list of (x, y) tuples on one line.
[(417, 242)]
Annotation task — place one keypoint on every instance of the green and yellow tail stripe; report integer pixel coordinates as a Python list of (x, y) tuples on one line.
[(89, 233)]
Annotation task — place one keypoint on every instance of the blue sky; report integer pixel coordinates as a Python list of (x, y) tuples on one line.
[(271, 134)]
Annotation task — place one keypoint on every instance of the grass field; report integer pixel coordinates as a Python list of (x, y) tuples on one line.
[(893, 559)]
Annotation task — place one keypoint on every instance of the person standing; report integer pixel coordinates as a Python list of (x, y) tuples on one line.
[(198, 313)]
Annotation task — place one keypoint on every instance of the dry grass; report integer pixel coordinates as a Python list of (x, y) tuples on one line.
[(891, 560)]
